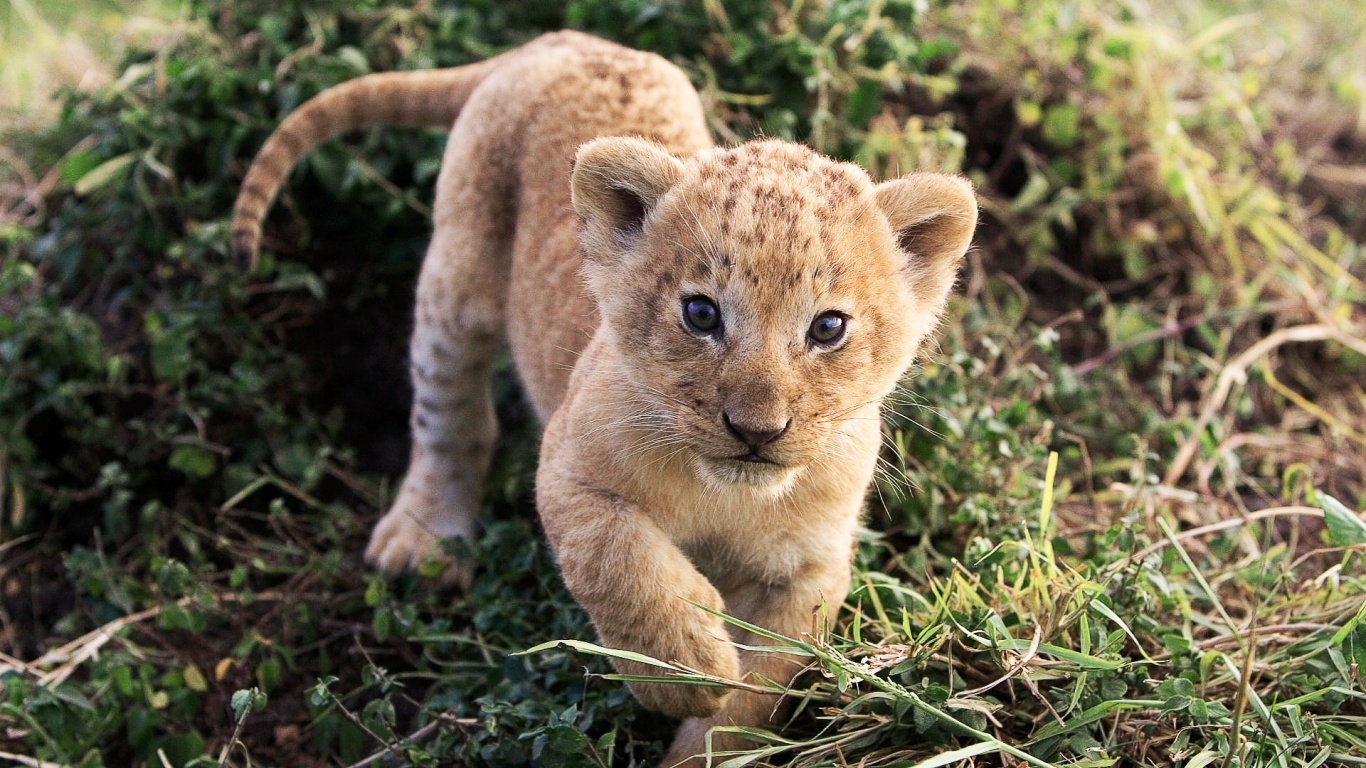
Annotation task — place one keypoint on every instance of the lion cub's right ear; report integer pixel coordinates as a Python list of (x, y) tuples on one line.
[(617, 183), (932, 216)]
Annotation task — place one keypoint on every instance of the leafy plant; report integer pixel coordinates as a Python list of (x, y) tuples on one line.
[(1119, 515)]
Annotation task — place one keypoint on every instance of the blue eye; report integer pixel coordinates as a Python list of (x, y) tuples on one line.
[(701, 314), (827, 328)]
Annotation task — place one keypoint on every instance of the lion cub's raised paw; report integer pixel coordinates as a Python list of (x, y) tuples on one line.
[(681, 700), (704, 647), (407, 537)]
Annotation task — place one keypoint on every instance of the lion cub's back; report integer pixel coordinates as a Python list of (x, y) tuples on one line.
[(555, 94)]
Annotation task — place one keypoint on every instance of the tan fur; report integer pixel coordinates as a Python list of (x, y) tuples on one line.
[(579, 252)]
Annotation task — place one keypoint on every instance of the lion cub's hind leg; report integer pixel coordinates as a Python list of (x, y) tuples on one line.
[(457, 331)]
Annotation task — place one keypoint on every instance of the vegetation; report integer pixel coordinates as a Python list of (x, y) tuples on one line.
[(1121, 512)]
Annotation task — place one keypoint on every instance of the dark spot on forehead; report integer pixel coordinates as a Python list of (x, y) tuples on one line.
[(714, 266), (838, 178)]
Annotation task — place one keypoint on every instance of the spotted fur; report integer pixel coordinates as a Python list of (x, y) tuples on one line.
[(725, 468)]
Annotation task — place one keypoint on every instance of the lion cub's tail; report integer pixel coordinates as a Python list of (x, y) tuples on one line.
[(431, 98)]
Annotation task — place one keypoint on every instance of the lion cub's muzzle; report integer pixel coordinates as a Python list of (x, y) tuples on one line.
[(755, 435)]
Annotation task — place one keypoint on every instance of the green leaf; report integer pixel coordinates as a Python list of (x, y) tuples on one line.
[(682, 678), (77, 166), (72, 696), (247, 700), (374, 592), (193, 461), (1091, 715), (954, 756), (174, 616), (1350, 626), (194, 679), (1345, 529), (556, 744), (382, 624), (755, 629), (597, 650), (268, 675), (177, 749), (863, 103), (1065, 654), (123, 680), (104, 175), (170, 346), (1061, 124), (1130, 323)]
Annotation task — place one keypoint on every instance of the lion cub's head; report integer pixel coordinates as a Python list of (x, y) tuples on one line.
[(762, 296)]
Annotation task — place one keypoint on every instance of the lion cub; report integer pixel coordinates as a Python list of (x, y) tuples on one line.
[(708, 334)]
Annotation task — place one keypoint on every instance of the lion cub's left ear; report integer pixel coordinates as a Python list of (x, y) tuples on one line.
[(932, 216), (616, 184)]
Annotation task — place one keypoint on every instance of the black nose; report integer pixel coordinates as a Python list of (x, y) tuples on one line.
[(751, 435)]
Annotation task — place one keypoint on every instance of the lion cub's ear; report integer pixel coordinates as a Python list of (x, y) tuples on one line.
[(932, 216), (617, 182)]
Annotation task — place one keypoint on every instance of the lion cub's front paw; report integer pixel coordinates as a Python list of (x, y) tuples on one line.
[(407, 538), (681, 700), (707, 649)]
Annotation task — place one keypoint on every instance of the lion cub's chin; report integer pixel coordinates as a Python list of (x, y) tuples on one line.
[(763, 479)]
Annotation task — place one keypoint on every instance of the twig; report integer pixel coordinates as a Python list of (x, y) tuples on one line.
[(900, 692), (87, 646), (233, 740), (314, 47), (1236, 372), (1347, 175), (415, 737), (69, 657), (1202, 581), (32, 762), (391, 188), (1224, 525), (1014, 669), (1307, 627), (1235, 732), (12, 543), (1157, 334)]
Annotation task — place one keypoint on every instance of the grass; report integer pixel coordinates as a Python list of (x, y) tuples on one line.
[(1119, 517), (57, 43)]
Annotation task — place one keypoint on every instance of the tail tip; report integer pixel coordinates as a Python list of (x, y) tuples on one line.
[(244, 247)]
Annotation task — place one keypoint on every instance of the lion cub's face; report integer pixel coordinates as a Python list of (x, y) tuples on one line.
[(763, 296)]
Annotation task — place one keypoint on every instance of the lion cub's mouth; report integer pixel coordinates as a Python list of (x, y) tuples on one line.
[(753, 457), (751, 470)]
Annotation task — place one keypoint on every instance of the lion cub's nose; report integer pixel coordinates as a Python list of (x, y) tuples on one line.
[(751, 435)]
